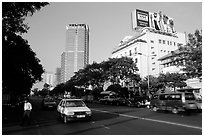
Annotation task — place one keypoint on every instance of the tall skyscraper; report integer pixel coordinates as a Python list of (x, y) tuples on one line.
[(58, 76), (76, 54), (48, 77)]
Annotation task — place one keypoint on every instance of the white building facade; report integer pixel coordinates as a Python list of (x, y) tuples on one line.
[(168, 64), (147, 47), (49, 78)]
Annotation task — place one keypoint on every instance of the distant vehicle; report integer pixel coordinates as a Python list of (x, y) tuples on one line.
[(175, 102), (197, 93), (108, 99), (49, 102), (120, 101), (73, 109), (88, 98), (137, 102), (126, 101), (199, 104)]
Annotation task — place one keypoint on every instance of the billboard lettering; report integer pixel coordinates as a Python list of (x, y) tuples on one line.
[(156, 21)]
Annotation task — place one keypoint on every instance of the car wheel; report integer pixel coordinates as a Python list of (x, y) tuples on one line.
[(154, 108), (65, 119), (138, 105), (174, 111)]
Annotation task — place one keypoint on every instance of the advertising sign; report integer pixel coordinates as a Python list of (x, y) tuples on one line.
[(142, 18), (156, 21)]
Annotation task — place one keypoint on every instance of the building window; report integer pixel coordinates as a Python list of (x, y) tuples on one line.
[(163, 41), (174, 43), (136, 60), (153, 68), (151, 41), (160, 40), (170, 43), (135, 50), (130, 53), (152, 47)]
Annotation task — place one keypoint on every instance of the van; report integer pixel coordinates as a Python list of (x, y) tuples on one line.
[(174, 102)]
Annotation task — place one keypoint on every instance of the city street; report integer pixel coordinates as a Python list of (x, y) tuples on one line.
[(109, 120), (136, 65)]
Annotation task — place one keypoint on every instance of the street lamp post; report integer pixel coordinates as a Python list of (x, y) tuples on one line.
[(148, 84)]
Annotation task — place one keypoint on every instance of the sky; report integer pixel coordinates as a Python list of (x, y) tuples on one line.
[(109, 23)]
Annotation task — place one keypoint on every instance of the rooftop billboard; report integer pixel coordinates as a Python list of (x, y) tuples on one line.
[(157, 21)]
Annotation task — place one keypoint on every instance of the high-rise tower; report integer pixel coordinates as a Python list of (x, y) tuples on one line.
[(76, 54)]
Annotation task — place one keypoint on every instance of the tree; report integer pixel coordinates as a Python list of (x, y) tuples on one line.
[(120, 69), (173, 80), (154, 84), (59, 89), (20, 66), (114, 69), (192, 55)]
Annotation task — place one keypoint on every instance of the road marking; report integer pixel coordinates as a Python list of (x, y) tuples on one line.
[(149, 119), (105, 127)]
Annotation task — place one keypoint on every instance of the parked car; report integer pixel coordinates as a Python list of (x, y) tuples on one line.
[(119, 101), (108, 99), (199, 104), (175, 102), (73, 109), (136, 102), (49, 102)]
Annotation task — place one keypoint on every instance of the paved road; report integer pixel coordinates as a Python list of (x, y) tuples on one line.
[(111, 120)]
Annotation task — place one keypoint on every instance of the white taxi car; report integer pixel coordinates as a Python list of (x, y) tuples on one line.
[(73, 109)]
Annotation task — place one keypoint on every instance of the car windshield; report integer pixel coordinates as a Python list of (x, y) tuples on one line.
[(49, 100), (189, 96), (75, 103)]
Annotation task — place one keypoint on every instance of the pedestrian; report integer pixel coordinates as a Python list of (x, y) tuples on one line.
[(27, 112)]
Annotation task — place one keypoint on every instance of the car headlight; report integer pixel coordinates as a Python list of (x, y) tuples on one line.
[(88, 112)]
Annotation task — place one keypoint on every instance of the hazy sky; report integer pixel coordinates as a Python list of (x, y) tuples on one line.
[(109, 23)]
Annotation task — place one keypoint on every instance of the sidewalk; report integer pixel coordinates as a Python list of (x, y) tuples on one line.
[(11, 119), (16, 127)]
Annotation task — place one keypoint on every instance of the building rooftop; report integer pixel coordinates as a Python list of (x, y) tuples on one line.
[(129, 40)]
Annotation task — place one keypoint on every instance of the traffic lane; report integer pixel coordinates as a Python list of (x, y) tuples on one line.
[(194, 119), (39, 115), (152, 126), (123, 125), (74, 127), (104, 123)]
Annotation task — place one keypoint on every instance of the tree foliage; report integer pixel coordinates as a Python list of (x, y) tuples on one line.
[(173, 80), (192, 55), (114, 69), (14, 14), (20, 66), (96, 74), (154, 84), (120, 69)]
